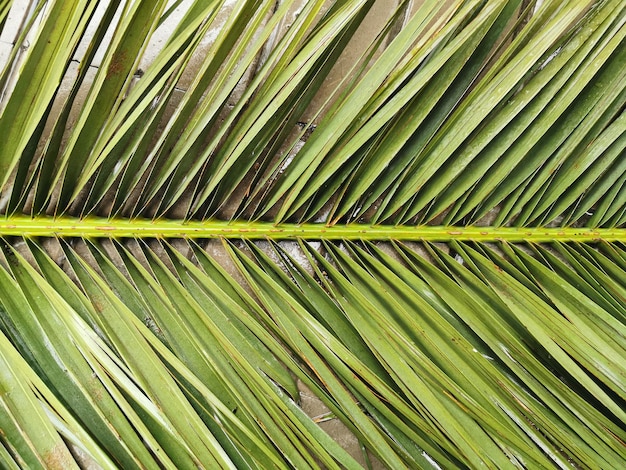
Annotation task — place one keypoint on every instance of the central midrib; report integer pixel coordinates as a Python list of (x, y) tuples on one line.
[(93, 227)]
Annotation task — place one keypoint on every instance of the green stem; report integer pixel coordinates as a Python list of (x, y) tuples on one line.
[(19, 225)]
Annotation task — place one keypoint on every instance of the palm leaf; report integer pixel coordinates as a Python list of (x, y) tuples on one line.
[(213, 211)]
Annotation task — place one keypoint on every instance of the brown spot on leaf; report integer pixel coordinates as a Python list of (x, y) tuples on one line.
[(58, 458), (98, 305), (117, 64)]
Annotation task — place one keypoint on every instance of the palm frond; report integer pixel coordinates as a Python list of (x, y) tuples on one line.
[(212, 210)]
